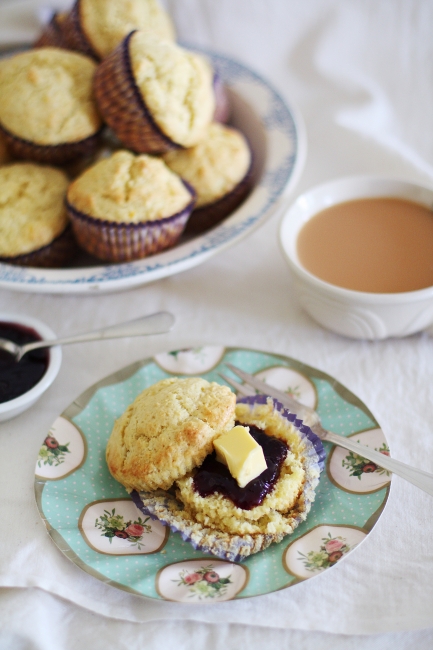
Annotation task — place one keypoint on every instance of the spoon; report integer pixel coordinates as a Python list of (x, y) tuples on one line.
[(157, 323)]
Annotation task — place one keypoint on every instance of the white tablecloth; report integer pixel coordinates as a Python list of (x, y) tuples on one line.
[(360, 72)]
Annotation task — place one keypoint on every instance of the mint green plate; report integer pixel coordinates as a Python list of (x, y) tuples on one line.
[(94, 522)]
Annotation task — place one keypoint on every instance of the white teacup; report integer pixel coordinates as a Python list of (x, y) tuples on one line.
[(355, 314)]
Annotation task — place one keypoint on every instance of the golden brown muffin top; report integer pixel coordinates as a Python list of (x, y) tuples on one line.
[(215, 165), (129, 189), (176, 85), (106, 22), (32, 208), (167, 431), (46, 96)]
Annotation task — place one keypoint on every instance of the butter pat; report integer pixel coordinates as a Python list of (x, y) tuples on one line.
[(241, 453)]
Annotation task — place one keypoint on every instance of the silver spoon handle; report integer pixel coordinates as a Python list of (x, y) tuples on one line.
[(157, 323), (418, 477)]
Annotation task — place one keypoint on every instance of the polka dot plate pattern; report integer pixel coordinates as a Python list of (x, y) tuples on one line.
[(94, 522)]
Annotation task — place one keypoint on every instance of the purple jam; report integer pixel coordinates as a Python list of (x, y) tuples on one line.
[(18, 378), (213, 476)]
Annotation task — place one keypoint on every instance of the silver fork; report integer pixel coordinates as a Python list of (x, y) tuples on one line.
[(418, 477)]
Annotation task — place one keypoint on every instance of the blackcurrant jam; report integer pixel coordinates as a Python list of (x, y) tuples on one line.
[(18, 378), (213, 476)]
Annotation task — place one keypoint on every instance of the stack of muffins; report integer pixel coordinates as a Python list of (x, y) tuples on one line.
[(112, 137)]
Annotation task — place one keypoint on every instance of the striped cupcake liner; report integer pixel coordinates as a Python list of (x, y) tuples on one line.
[(123, 242), (51, 153), (53, 35), (60, 252), (210, 215), (122, 105), (75, 36), (314, 450), (235, 548)]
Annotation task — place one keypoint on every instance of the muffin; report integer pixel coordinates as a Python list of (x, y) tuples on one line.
[(53, 34), (96, 27), (155, 95), (219, 170), (214, 523), (173, 474), (126, 207), (34, 227), (47, 110), (167, 431)]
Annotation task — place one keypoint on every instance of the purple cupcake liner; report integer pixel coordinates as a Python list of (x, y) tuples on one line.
[(122, 242), (52, 35), (50, 153), (56, 254), (232, 548), (307, 433), (235, 548), (74, 34), (123, 107), (210, 215)]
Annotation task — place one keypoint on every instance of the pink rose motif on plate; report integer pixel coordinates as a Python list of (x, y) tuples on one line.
[(357, 465), (114, 525), (330, 551), (211, 576), (191, 578), (134, 530), (52, 453), (333, 545), (204, 583)]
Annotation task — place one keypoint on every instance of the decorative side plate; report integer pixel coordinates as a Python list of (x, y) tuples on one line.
[(278, 141), (94, 522)]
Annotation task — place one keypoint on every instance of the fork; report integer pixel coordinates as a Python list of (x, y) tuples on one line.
[(418, 477)]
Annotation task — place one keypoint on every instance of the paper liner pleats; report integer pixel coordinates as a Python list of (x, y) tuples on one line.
[(210, 215), (123, 242), (50, 153), (53, 35), (235, 548), (57, 254), (75, 35), (122, 105)]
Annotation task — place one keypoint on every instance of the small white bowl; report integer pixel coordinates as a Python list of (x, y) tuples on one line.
[(16, 406), (355, 314)]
